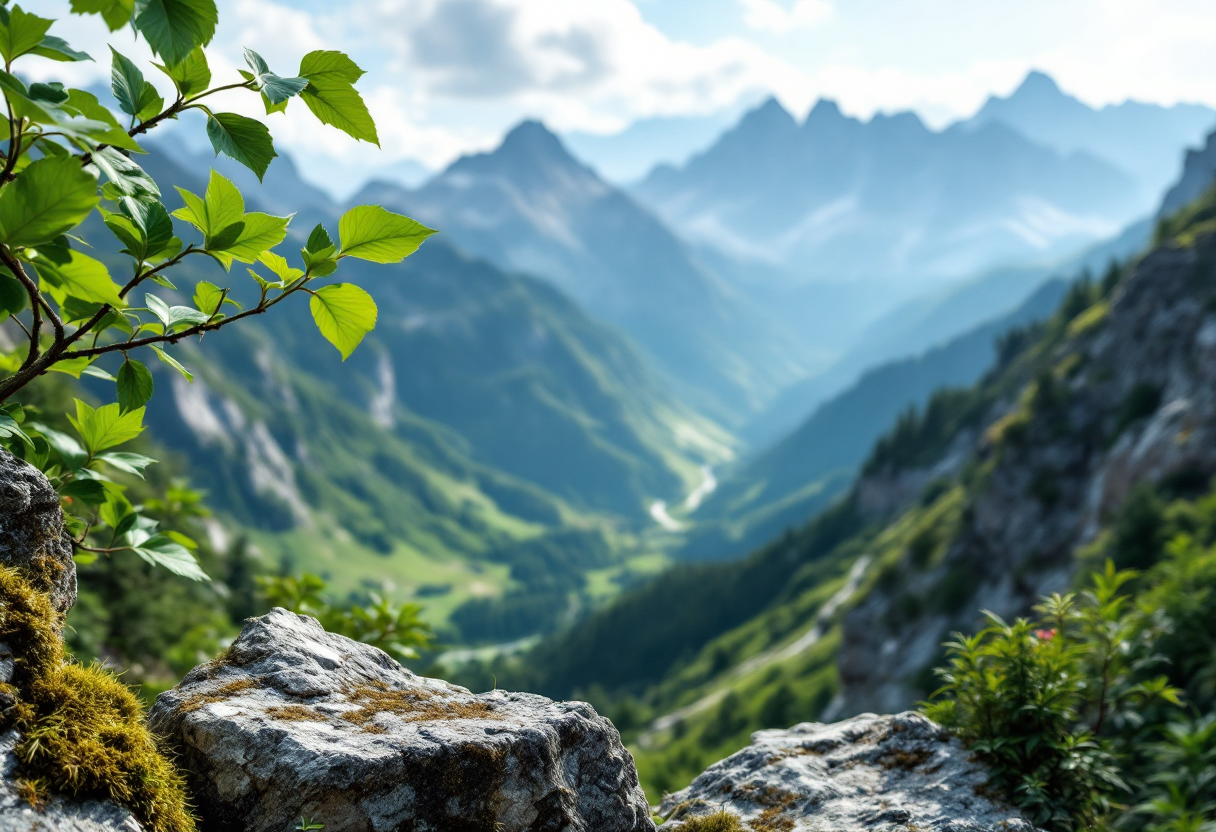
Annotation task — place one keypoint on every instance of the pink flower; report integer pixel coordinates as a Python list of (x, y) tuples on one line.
[(1045, 635)]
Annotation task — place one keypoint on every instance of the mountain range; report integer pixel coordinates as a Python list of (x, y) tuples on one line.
[(529, 206), (832, 222)]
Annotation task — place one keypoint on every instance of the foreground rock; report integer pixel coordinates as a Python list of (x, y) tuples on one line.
[(294, 721), (32, 535), (879, 773)]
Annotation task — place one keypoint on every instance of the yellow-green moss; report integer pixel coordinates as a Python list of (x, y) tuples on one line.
[(82, 730), (718, 822)]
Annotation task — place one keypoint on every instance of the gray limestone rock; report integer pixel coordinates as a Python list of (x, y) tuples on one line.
[(293, 721), (31, 527), (60, 814), (873, 773)]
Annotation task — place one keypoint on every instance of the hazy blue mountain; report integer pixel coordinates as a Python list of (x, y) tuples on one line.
[(888, 202), (1145, 140), (930, 320), (1198, 176), (629, 155), (799, 475), (530, 206)]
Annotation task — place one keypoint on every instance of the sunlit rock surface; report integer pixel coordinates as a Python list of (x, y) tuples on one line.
[(880, 773), (295, 722)]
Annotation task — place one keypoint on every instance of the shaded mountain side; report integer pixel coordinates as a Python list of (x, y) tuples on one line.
[(529, 206), (834, 198), (931, 320), (1198, 173), (1142, 139), (787, 483)]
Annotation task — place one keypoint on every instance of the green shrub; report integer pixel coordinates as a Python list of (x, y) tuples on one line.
[(1034, 699)]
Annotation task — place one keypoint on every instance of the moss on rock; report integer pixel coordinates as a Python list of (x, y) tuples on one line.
[(82, 731)]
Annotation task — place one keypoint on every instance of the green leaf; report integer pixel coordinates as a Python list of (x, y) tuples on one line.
[(76, 275), (161, 550), (91, 492), (94, 371), (224, 203), (88, 106), (69, 450), (221, 208), (275, 89), (10, 430), (369, 232), (133, 93), (331, 96), (318, 240), (344, 313), (129, 178), (208, 297), (49, 198), (261, 233), (134, 385), (131, 463), (191, 76), (107, 426), (175, 28), (13, 297), (57, 49), (278, 265), (21, 32), (173, 362), (222, 240), (244, 139), (116, 13), (71, 366)]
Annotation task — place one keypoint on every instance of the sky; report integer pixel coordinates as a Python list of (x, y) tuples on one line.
[(447, 77)]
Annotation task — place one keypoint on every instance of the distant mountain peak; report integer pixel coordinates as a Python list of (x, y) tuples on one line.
[(768, 116), (825, 108), (1039, 83), (531, 133), (529, 148)]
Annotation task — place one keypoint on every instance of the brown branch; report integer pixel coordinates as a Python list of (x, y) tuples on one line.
[(122, 293), (35, 296)]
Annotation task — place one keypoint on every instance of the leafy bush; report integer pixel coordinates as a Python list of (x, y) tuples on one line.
[(1033, 698), (396, 629)]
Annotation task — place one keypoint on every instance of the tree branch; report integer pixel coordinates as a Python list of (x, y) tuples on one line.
[(35, 296)]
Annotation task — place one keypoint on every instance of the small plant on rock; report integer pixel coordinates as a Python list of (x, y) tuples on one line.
[(1037, 699)]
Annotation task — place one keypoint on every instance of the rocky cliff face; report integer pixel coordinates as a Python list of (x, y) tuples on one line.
[(873, 772), (1128, 397)]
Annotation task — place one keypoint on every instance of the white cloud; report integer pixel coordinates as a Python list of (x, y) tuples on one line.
[(577, 65), (772, 16)]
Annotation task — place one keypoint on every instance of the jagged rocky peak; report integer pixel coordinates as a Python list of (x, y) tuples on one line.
[(869, 773)]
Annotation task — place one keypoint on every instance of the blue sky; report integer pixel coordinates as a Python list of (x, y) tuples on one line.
[(450, 76)]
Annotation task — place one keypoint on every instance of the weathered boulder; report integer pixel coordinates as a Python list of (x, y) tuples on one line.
[(871, 772), (59, 814), (293, 721), (32, 535)]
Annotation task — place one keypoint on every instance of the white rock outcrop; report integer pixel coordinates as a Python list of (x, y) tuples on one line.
[(873, 773), (293, 721)]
